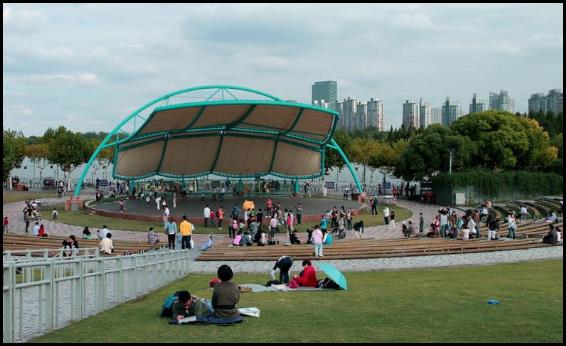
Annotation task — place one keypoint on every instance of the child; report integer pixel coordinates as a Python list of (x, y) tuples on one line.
[(6, 222), (54, 215)]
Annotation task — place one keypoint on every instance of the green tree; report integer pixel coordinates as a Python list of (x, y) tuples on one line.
[(13, 143), (66, 148), (37, 153)]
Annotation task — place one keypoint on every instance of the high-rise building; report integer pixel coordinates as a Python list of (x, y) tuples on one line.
[(361, 116), (327, 91), (501, 101), (436, 116), (348, 111), (477, 106), (410, 114), (537, 103), (450, 112), (425, 114), (555, 101), (375, 114)]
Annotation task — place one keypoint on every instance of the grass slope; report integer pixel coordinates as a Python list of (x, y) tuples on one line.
[(434, 305)]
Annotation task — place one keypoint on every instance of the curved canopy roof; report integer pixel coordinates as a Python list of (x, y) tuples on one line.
[(240, 138)]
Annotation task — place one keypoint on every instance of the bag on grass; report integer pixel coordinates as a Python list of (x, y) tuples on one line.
[(166, 310)]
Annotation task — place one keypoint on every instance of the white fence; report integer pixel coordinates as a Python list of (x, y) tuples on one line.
[(40, 295)]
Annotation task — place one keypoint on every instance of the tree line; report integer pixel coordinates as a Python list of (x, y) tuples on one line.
[(491, 140)]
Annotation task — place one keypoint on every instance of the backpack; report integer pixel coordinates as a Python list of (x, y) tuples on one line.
[(167, 306)]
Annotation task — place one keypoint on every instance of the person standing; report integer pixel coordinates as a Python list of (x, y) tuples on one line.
[(299, 212), (206, 215), (386, 215), (171, 230), (421, 224), (443, 223), (174, 199), (220, 216), (273, 225), (349, 219), (317, 238), (157, 201), (165, 215), (54, 215), (6, 223), (374, 205), (186, 228), (512, 225), (392, 222)]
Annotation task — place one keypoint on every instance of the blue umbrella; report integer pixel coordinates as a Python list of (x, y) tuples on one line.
[(334, 274)]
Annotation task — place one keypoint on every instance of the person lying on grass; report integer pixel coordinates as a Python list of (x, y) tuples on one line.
[(187, 305)]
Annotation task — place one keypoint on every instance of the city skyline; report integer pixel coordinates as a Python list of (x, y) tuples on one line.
[(86, 66)]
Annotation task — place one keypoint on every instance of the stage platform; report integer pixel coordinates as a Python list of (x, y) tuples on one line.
[(193, 207)]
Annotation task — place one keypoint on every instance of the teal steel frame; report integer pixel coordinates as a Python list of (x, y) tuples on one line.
[(306, 141)]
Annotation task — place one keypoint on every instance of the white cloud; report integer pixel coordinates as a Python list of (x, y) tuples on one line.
[(80, 78), (22, 20)]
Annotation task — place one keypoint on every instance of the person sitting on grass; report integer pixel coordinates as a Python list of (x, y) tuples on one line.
[(294, 239), (87, 235), (225, 297), (307, 277), (187, 305)]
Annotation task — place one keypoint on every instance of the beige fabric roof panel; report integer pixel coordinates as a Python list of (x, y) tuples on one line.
[(293, 160), (245, 155), (220, 115), (280, 117), (314, 122), (185, 156), (139, 161), (171, 119)]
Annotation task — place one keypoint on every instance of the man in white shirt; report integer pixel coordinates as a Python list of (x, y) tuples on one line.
[(386, 215), (206, 215), (35, 230), (157, 201), (103, 232), (524, 213), (106, 245), (443, 223)]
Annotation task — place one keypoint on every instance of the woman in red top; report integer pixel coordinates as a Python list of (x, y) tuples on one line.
[(307, 278), (41, 232)]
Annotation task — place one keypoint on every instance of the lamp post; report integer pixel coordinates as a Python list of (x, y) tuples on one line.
[(450, 162)]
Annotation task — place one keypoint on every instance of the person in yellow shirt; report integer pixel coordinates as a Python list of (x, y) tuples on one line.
[(186, 228)]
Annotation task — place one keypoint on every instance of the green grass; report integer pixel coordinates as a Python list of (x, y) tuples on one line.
[(431, 305), (80, 218), (17, 196)]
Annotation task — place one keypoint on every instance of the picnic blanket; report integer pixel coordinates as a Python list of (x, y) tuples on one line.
[(280, 288)]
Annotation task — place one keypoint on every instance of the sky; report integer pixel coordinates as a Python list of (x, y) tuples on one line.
[(88, 66)]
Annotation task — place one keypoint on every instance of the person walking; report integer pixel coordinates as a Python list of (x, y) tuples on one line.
[(165, 215)]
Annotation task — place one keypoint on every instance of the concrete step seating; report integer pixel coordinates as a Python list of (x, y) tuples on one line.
[(15, 242), (372, 248)]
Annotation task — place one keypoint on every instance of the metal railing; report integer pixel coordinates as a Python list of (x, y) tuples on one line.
[(41, 295)]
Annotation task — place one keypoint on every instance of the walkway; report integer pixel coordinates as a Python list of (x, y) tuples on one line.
[(13, 211)]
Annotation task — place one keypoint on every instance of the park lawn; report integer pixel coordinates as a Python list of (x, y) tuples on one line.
[(425, 305), (80, 218), (17, 196)]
